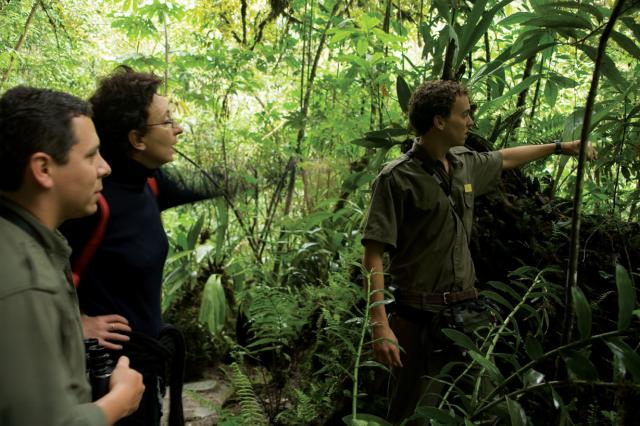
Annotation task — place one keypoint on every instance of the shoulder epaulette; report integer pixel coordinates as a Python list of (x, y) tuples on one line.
[(460, 150), (393, 164)]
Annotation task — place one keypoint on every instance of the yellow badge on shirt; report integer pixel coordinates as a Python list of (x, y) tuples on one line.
[(468, 187)]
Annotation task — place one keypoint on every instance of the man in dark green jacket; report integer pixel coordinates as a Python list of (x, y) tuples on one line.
[(422, 213), (50, 171)]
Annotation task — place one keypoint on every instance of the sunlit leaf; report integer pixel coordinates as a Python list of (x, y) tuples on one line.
[(609, 68), (550, 92), (516, 413), (626, 43), (213, 307), (559, 21), (474, 30), (533, 377), (629, 357)]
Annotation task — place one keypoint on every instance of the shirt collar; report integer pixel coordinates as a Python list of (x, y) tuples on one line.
[(53, 241), (423, 156)]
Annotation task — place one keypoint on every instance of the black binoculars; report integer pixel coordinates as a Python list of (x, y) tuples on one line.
[(99, 368)]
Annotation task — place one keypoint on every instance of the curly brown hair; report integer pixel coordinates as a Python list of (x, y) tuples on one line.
[(433, 98), (121, 104)]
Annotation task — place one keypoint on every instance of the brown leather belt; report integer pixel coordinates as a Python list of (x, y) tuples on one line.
[(418, 299)]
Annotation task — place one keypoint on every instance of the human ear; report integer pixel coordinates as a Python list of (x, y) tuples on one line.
[(439, 122), (40, 167), (135, 139)]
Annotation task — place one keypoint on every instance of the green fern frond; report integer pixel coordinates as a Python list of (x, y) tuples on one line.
[(252, 413)]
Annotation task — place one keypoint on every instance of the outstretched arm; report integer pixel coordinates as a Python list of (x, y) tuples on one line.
[(520, 155), (385, 342)]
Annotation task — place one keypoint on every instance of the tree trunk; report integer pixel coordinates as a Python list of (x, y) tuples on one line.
[(522, 96)]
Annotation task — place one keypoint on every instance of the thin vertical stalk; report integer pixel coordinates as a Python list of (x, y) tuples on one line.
[(487, 59), (536, 93), (625, 120), (363, 333), (572, 274)]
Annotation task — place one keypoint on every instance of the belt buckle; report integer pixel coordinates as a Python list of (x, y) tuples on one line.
[(444, 297)]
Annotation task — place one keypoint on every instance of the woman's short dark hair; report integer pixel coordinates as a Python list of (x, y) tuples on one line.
[(433, 98), (121, 104), (35, 120)]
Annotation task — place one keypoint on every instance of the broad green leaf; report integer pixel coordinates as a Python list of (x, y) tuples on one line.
[(441, 416), (368, 22), (498, 298), (341, 34), (550, 92), (472, 32), (516, 413), (630, 23), (583, 312), (460, 339), (373, 143), (491, 67), (533, 377), (562, 81), (524, 84), (609, 68), (579, 6), (517, 18), (491, 368), (626, 43), (533, 347), (579, 366), (629, 357), (362, 45), (388, 133), (404, 93), (213, 308), (626, 297), (559, 21), (194, 233)]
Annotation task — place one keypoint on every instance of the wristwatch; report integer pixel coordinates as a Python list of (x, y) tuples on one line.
[(558, 147)]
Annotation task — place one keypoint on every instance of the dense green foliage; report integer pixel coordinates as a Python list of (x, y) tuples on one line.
[(298, 103)]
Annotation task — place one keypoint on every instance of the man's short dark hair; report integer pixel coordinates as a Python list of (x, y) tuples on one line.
[(35, 120), (433, 98), (120, 104)]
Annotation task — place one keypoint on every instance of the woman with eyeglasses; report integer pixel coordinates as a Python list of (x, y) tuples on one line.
[(119, 285)]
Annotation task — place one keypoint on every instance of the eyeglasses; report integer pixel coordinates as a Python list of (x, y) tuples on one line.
[(169, 122)]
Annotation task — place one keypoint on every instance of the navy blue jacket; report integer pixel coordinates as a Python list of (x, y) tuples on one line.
[(125, 274)]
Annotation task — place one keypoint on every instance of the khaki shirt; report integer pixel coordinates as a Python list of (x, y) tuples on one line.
[(42, 361), (427, 237)]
